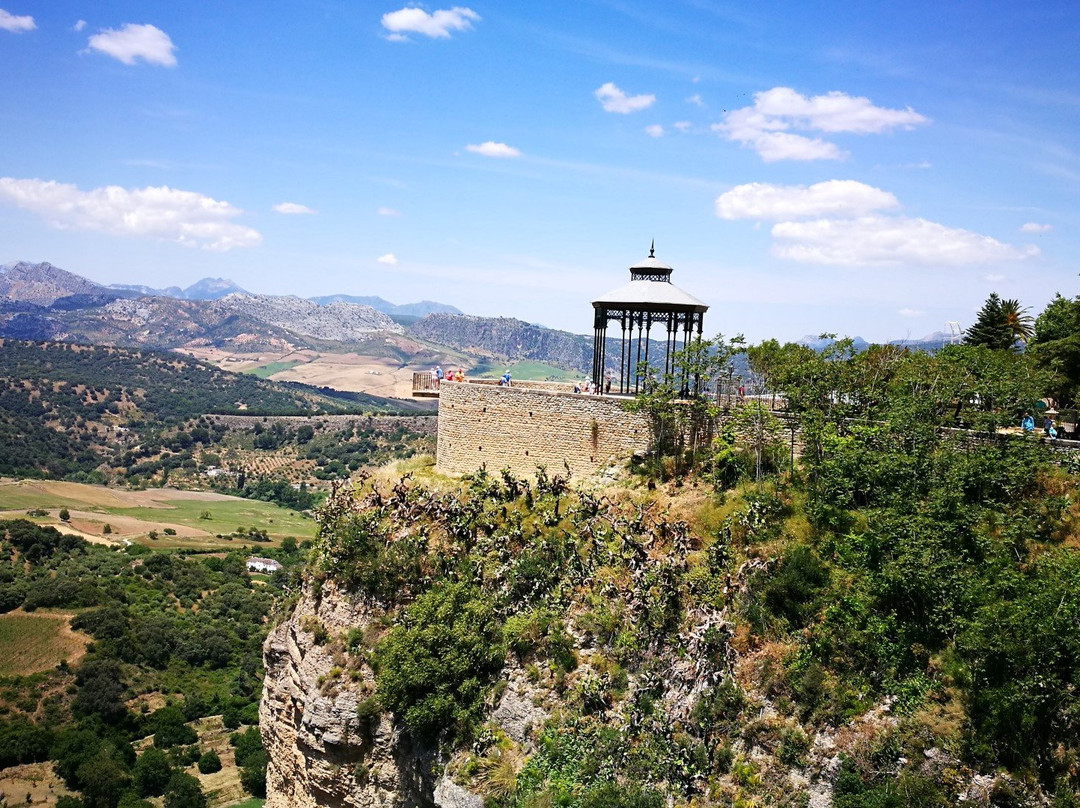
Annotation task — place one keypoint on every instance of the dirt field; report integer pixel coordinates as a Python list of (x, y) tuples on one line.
[(351, 372), (39, 641), (38, 780)]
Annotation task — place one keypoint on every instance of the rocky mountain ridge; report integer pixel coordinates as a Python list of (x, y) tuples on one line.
[(419, 309), (42, 284)]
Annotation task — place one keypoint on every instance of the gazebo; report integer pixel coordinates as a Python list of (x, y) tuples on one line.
[(649, 299)]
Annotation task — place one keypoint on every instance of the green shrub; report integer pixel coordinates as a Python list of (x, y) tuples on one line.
[(209, 762), (434, 668)]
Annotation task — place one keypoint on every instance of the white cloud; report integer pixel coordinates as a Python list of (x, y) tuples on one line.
[(885, 241), (695, 99), (993, 278), (490, 148), (654, 130), (765, 126), (134, 42), (163, 213), (389, 259), (437, 24), (843, 198), (79, 26), (615, 100), (1035, 227), (388, 212), (17, 25), (292, 208), (910, 313), (682, 126)]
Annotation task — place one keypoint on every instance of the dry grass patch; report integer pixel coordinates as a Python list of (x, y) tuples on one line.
[(31, 784), (35, 642)]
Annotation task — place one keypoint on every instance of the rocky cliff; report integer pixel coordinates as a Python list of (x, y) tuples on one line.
[(320, 750)]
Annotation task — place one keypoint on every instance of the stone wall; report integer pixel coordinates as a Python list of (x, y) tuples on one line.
[(520, 428)]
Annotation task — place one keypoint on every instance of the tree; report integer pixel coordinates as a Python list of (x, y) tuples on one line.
[(184, 791), (992, 328), (680, 413), (64, 515), (1056, 346), (151, 773), (1018, 319)]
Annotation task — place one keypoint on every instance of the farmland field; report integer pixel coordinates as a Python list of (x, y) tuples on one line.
[(36, 642), (194, 518)]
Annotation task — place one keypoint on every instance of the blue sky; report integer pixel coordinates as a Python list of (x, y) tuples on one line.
[(871, 169)]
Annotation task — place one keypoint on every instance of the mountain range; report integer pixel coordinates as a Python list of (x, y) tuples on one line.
[(44, 302)]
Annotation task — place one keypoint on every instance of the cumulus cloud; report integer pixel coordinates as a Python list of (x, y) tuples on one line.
[(388, 212), (162, 213), (910, 313), (134, 42), (654, 130), (78, 26), (841, 198), (695, 99), (291, 208), (682, 126), (888, 241), (17, 25), (389, 259), (490, 148), (1035, 227), (765, 125), (612, 99), (436, 25)]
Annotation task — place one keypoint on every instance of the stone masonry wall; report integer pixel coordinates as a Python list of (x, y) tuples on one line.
[(520, 428)]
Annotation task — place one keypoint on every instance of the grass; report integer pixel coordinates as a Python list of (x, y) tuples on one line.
[(526, 371), (36, 642), (251, 802), (133, 514), (271, 368)]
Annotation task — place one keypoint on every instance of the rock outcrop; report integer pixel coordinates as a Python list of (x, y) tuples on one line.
[(319, 750)]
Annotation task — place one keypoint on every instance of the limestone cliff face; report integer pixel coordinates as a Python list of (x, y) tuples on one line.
[(319, 751)]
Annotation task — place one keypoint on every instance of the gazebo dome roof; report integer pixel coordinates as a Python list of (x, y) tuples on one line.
[(663, 295), (650, 289)]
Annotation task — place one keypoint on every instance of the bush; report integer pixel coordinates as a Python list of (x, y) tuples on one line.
[(209, 763), (434, 669)]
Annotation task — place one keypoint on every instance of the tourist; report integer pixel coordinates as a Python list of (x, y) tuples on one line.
[(1048, 424), (577, 386), (505, 380), (1028, 423)]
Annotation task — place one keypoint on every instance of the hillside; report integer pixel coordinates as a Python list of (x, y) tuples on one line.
[(886, 621), (77, 409), (506, 338)]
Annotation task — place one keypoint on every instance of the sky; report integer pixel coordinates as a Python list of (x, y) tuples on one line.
[(868, 169)]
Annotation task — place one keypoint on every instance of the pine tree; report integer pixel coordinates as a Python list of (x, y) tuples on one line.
[(991, 328)]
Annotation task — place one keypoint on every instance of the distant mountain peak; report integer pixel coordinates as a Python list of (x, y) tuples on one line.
[(42, 284), (212, 289)]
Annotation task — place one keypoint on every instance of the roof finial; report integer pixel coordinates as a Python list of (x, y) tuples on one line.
[(652, 249)]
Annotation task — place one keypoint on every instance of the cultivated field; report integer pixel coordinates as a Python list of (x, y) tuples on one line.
[(38, 641), (194, 517)]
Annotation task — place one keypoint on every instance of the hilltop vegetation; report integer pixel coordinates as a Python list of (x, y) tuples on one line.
[(92, 413), (881, 624)]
